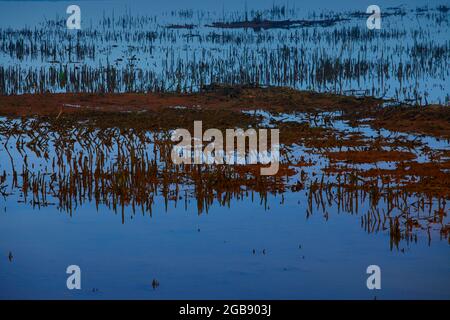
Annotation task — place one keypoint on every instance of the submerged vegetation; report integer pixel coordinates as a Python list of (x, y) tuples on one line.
[(82, 129), (186, 50), (87, 119), (119, 157)]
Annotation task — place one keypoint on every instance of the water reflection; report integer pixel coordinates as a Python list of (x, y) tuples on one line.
[(68, 164), (175, 51)]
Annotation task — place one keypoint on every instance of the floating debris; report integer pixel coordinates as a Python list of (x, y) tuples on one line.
[(155, 284)]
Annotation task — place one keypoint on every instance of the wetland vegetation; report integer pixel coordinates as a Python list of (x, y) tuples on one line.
[(364, 177)]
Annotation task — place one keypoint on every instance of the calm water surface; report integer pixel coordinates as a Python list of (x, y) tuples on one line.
[(120, 212)]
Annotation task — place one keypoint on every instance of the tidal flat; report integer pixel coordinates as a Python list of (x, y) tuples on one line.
[(87, 177), (95, 184)]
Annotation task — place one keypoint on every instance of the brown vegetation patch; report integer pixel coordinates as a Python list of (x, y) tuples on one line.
[(430, 120), (370, 156), (238, 98)]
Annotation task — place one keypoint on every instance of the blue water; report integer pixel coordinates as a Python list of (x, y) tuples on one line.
[(216, 262), (244, 251), (249, 250)]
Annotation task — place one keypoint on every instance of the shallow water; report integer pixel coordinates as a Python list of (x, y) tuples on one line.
[(217, 262), (132, 47), (216, 242), (110, 200)]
